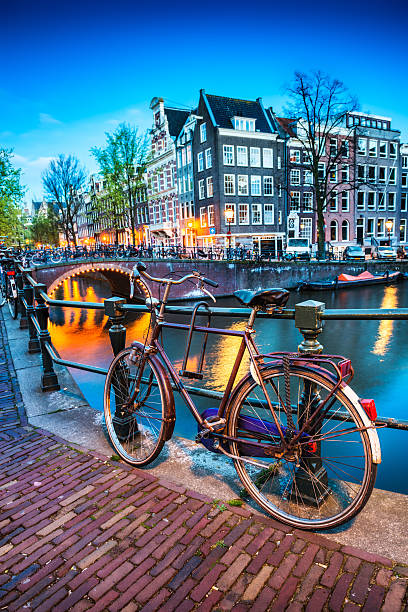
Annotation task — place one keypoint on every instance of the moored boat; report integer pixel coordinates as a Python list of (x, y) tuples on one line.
[(347, 281)]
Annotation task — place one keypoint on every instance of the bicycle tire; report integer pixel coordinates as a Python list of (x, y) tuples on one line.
[(301, 494), (139, 432), (12, 302)]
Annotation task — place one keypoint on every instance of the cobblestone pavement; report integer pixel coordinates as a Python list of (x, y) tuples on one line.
[(80, 532)]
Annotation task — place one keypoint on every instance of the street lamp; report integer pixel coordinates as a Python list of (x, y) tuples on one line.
[(389, 225), (229, 216)]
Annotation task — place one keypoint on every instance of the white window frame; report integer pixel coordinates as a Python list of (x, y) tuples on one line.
[(210, 187), (203, 132), (362, 146), (370, 221), (230, 206), (203, 216), (255, 157), (382, 174), (200, 161), (404, 202), (256, 208), (294, 197), (383, 149), (229, 179), (242, 182), (228, 155), (294, 156), (371, 195), (392, 176), (381, 204), (334, 224), (345, 201), (345, 174), (333, 203), (372, 147), (308, 177), (268, 180), (393, 148), (345, 223), (404, 178), (201, 192), (256, 185), (242, 206), (308, 201), (404, 161), (392, 205), (361, 206), (208, 158), (211, 218), (295, 176), (269, 214), (403, 230), (371, 170), (242, 156), (380, 227), (267, 158)]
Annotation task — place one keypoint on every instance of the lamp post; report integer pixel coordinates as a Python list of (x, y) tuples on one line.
[(229, 216), (389, 225)]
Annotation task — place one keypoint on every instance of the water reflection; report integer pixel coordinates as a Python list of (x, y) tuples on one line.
[(382, 344), (377, 350)]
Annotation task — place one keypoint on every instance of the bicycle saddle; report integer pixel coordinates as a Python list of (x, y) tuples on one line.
[(262, 298)]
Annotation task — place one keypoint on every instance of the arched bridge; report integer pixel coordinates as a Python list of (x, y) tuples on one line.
[(230, 276)]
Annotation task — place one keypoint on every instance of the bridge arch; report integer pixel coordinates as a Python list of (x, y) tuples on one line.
[(116, 275)]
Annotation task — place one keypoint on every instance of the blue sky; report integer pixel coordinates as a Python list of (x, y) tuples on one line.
[(75, 70)]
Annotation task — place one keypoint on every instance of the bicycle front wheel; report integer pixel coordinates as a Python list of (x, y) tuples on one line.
[(137, 420), (328, 476)]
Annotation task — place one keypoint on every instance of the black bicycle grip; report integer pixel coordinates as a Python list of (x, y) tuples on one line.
[(210, 282)]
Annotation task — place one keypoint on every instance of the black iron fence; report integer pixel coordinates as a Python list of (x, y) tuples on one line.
[(34, 304)]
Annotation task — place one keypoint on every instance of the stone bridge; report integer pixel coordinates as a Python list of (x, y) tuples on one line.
[(230, 276)]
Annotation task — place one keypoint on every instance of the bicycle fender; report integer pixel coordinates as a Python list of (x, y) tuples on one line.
[(168, 396), (371, 431)]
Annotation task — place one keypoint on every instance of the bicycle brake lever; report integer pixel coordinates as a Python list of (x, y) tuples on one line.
[(204, 290)]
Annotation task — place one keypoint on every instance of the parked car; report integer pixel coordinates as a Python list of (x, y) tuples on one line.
[(297, 248), (385, 252), (353, 252)]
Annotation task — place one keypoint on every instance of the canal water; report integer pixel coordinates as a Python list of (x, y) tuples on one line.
[(378, 350)]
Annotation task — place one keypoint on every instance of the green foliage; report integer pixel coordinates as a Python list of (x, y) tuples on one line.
[(122, 163), (235, 502), (12, 220), (44, 228)]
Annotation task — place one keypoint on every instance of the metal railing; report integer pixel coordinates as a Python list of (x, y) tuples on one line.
[(34, 306)]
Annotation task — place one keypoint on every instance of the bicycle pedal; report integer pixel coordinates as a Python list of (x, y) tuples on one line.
[(188, 374)]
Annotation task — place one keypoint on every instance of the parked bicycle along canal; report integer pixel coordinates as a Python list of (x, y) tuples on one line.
[(377, 350)]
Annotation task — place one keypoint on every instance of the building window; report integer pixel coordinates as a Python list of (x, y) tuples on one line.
[(305, 229), (242, 156), (267, 158), (372, 174), (256, 214), (383, 148), (404, 161), (255, 157), (404, 202), (371, 200), (295, 177), (229, 184), (208, 158), (333, 175), (403, 230), (345, 174), (200, 161), (345, 231), (203, 132), (203, 217), (362, 146), (201, 189), (345, 148), (392, 232), (210, 190), (268, 185), (370, 227), (230, 207), (242, 184), (256, 185), (295, 156), (392, 177), (391, 201), (308, 177), (372, 148), (308, 201), (294, 203), (345, 201), (381, 201), (333, 202), (211, 222), (393, 150), (381, 174), (268, 214), (380, 227), (361, 173), (404, 179), (333, 231), (189, 154), (243, 214), (321, 171), (333, 147), (228, 154), (244, 124)]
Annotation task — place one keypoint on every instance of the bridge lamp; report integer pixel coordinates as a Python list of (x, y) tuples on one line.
[(389, 225)]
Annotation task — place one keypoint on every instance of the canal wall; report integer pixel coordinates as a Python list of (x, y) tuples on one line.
[(230, 276)]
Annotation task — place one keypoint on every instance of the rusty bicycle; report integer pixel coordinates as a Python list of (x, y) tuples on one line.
[(304, 445)]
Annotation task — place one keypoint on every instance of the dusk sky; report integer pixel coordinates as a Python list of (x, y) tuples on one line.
[(71, 72)]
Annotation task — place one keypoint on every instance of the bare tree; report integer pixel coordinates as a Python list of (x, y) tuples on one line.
[(319, 105), (122, 164), (63, 181)]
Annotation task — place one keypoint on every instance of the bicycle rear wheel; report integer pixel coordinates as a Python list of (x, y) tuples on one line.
[(138, 421), (12, 302), (329, 476)]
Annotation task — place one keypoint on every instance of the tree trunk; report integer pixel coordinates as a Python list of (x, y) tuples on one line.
[(321, 234)]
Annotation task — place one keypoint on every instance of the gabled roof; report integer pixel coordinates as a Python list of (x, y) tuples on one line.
[(287, 125), (224, 109), (176, 118)]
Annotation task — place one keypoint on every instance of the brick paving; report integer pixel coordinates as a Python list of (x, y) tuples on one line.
[(80, 532)]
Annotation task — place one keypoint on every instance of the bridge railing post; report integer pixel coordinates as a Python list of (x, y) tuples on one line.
[(33, 342), (310, 476), (117, 333), (49, 379)]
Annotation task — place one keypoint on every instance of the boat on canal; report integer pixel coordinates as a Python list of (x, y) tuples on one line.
[(348, 281)]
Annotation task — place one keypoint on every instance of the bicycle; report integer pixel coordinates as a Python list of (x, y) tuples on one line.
[(303, 444), (8, 286)]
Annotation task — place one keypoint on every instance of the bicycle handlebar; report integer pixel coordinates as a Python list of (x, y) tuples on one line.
[(141, 268)]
